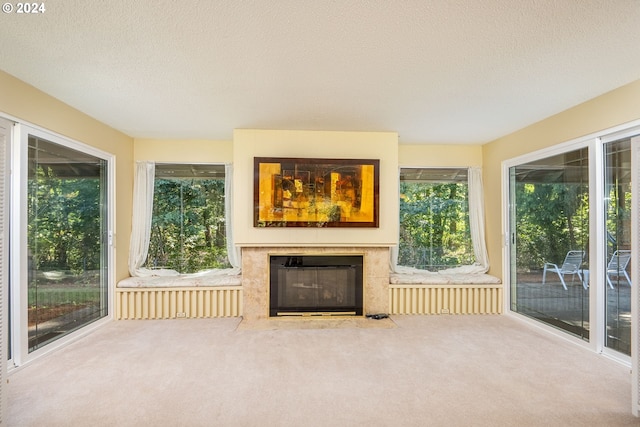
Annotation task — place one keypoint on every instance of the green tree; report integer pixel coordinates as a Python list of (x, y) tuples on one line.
[(434, 225), (552, 218), (188, 225), (64, 220)]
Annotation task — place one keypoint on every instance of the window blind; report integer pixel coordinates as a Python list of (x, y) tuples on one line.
[(5, 135)]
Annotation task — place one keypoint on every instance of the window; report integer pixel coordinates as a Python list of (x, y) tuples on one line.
[(434, 219), (188, 227), (66, 232), (617, 216), (549, 220)]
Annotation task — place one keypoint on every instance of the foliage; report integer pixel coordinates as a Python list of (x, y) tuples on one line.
[(188, 226), (434, 225), (551, 219), (65, 217), (64, 222), (618, 218)]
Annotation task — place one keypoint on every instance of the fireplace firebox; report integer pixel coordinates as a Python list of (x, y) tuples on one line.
[(307, 285)]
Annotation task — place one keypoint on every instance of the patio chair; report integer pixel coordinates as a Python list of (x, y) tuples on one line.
[(618, 266), (570, 265)]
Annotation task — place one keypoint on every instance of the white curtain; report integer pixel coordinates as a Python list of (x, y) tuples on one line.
[(233, 253), (144, 177), (393, 258), (476, 219), (476, 225)]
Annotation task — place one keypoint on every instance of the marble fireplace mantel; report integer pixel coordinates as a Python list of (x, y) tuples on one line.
[(255, 275)]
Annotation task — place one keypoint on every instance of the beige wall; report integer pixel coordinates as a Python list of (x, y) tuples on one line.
[(249, 143), (183, 151), (611, 109), (439, 156), (28, 104)]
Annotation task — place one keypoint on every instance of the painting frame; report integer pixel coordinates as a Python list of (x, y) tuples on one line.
[(316, 192)]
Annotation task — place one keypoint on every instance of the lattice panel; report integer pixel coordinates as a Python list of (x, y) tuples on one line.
[(172, 303), (445, 299)]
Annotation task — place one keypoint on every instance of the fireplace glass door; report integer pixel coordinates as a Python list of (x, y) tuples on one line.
[(315, 285)]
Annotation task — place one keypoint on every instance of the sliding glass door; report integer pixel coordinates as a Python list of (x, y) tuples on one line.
[(554, 227), (59, 240), (549, 233), (66, 205), (617, 245)]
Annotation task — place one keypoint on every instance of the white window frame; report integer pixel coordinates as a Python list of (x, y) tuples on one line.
[(635, 272), (595, 144), (465, 168), (18, 240), (156, 164)]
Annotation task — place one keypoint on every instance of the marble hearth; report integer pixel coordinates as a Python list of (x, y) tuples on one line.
[(255, 276)]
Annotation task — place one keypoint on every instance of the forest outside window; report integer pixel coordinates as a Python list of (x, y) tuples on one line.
[(434, 219), (188, 228), (60, 253)]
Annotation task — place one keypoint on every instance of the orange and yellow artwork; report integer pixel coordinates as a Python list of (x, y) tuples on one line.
[(315, 192)]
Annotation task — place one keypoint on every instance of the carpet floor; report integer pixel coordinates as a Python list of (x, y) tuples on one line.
[(406, 371)]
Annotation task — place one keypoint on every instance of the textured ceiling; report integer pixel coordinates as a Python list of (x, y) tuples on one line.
[(440, 71)]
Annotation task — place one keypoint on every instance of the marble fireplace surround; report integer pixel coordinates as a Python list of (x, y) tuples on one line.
[(255, 276)]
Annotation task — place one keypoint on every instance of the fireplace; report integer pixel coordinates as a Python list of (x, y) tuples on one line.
[(307, 285)]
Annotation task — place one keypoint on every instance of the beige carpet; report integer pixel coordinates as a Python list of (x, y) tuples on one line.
[(427, 371), (329, 322)]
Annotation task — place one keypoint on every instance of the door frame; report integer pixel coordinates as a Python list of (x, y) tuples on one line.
[(18, 241), (597, 296)]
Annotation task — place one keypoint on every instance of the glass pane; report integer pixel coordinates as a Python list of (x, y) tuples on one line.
[(188, 232), (617, 199), (434, 219), (67, 281), (549, 234)]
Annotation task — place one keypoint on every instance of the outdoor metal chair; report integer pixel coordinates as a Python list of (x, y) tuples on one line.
[(618, 266), (571, 265)]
